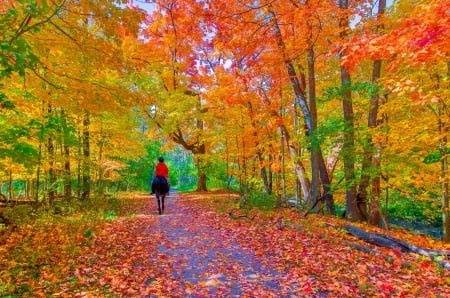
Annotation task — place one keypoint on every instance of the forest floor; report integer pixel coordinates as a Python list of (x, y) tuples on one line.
[(196, 249)]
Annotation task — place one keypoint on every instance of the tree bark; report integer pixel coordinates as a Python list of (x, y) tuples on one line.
[(371, 158), (86, 157), (445, 181), (51, 164), (298, 166), (301, 101), (202, 179), (263, 170), (313, 123), (353, 211)]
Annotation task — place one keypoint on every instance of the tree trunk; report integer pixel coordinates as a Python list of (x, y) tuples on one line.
[(100, 182), (201, 186), (201, 166), (371, 158), (51, 164), (312, 134), (67, 172), (353, 211), (201, 175), (300, 99), (10, 184), (86, 157), (38, 177), (445, 200), (263, 170), (443, 131), (298, 166)]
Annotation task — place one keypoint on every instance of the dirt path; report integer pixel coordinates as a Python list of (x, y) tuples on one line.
[(194, 251), (201, 258)]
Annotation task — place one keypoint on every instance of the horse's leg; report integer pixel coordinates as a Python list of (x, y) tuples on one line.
[(159, 204), (162, 200)]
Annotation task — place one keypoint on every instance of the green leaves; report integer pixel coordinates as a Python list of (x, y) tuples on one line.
[(434, 156), (365, 90), (4, 103)]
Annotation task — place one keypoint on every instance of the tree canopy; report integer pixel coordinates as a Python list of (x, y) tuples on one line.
[(335, 102)]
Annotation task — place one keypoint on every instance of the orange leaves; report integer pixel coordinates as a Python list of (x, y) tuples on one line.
[(419, 37), (194, 251)]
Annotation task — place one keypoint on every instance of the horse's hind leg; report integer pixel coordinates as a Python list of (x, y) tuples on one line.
[(159, 204), (162, 201)]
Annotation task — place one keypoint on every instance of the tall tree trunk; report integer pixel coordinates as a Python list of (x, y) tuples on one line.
[(443, 131), (66, 158), (353, 206), (10, 183), (38, 176), (79, 162), (371, 158), (67, 172), (86, 157), (100, 181), (300, 99), (313, 124), (283, 174), (445, 183), (51, 164)]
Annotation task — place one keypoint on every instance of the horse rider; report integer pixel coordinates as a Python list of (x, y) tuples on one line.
[(161, 170)]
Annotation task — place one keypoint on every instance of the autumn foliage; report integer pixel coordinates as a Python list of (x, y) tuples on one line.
[(197, 249), (331, 104)]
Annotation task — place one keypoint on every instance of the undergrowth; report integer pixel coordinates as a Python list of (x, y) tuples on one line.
[(43, 237)]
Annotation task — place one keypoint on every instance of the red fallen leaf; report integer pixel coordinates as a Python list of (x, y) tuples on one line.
[(387, 287), (425, 265), (308, 290)]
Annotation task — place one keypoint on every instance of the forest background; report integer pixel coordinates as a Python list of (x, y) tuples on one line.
[(330, 104)]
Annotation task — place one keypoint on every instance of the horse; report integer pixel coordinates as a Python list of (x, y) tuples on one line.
[(160, 187)]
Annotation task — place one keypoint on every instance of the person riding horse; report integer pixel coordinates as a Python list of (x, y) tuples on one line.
[(160, 184)]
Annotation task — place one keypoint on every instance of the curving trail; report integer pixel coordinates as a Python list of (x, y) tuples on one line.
[(201, 258), (193, 251)]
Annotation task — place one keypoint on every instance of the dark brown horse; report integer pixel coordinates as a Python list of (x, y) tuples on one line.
[(160, 187)]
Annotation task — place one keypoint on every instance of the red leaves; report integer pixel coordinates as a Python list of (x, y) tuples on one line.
[(195, 251)]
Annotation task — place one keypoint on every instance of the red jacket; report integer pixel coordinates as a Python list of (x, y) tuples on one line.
[(162, 170)]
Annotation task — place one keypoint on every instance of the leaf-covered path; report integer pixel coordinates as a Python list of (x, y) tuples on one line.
[(200, 257), (194, 251)]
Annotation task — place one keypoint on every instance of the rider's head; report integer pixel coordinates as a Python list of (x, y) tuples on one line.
[(161, 159)]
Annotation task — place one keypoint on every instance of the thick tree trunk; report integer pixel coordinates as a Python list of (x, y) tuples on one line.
[(201, 186), (201, 166), (353, 211), (371, 158)]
